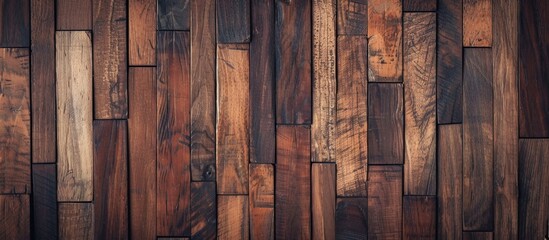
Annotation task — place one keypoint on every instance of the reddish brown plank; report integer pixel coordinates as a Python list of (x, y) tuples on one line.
[(76, 221), (351, 218), (323, 178), (384, 202), (204, 214), (233, 217), (15, 24), (174, 14), (419, 217), (477, 23), (477, 236), (142, 32), (352, 17), (262, 177), (419, 5), (233, 21), (74, 15), (44, 201), (15, 217)]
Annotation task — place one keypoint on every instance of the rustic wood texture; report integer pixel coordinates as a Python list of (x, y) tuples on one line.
[(15, 24), (477, 236), (174, 14), (323, 198), (233, 217), (233, 21), (351, 218), (419, 5), (15, 219), (203, 214), (142, 32), (262, 196), (477, 23), (419, 217), (384, 202), (44, 201), (352, 17), (74, 15), (76, 221)]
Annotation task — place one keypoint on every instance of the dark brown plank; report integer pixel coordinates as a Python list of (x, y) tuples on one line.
[(262, 64), (385, 124), (76, 221), (352, 17), (203, 215), (110, 59), (352, 218), (534, 73), (477, 23), (323, 178), (233, 217), (15, 217), (173, 176), (142, 32), (262, 177), (384, 202), (449, 61), (74, 15), (419, 5), (203, 101), (14, 27), (419, 217), (293, 57), (44, 201), (110, 179), (15, 121), (293, 188), (233, 21), (477, 236), (174, 14), (478, 171)]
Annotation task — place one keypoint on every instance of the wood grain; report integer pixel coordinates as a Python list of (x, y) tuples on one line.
[(233, 217), (384, 202), (419, 5), (419, 217), (44, 202), (15, 220), (323, 177), (204, 211), (477, 23), (174, 14), (76, 221), (74, 15), (352, 17), (142, 32), (15, 24), (351, 218), (262, 196), (233, 21), (351, 126), (477, 235), (420, 103), (233, 118), (15, 121), (74, 116)]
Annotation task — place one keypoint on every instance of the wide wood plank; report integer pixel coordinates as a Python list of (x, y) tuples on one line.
[(352, 17), (477, 23), (74, 116), (142, 32), (477, 235), (15, 219), (15, 24), (419, 217), (233, 21), (262, 196), (203, 211), (384, 202), (74, 15), (419, 5), (323, 178), (174, 14), (351, 218), (76, 221), (44, 201), (233, 217)]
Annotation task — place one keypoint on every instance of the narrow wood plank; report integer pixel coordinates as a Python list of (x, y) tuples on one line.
[(323, 178), (420, 103), (477, 23), (233, 118), (385, 41), (203, 211), (110, 59), (74, 116), (203, 101), (173, 176), (74, 15), (174, 14), (233, 21), (262, 180), (233, 217), (419, 217), (172, 238), (142, 32), (293, 57), (351, 218), (385, 124), (15, 217), (110, 179), (478, 170), (351, 126), (15, 25), (15, 121), (477, 236), (385, 202), (262, 69), (293, 188), (76, 221), (352, 17), (419, 5), (44, 201)]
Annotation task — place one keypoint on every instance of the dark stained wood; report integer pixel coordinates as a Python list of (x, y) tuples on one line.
[(15, 220), (477, 23), (174, 14), (293, 188), (76, 221), (203, 101), (262, 69), (233, 217), (203, 212), (384, 202), (351, 218), (74, 15), (419, 217), (110, 179), (262, 196), (15, 23), (44, 201), (293, 58), (110, 59), (385, 124), (477, 236), (419, 5), (142, 32), (15, 121), (478, 171), (233, 21), (323, 178), (173, 140), (352, 17)]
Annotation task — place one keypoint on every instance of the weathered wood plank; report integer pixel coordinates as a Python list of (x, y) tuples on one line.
[(477, 23), (262, 177), (385, 202), (174, 14), (15, 24), (419, 5), (233, 21), (142, 32), (352, 17), (351, 218), (44, 201), (15, 219), (323, 178), (203, 211), (233, 217), (74, 15), (477, 236), (419, 217), (76, 221)]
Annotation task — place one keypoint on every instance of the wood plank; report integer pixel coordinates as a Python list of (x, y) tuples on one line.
[(293, 188), (76, 221), (233, 217), (233, 21), (262, 69), (15, 121), (420, 103), (351, 218), (15, 217), (419, 217), (293, 57), (477, 23), (74, 116), (174, 15), (477, 236), (173, 140), (478, 171), (449, 61), (203, 211), (203, 101), (262, 196), (44, 201), (142, 147), (74, 15), (385, 41), (110, 59), (142, 32), (384, 202), (385, 124), (419, 5), (323, 178), (110, 179), (352, 17), (533, 188), (233, 119), (351, 126), (15, 25)]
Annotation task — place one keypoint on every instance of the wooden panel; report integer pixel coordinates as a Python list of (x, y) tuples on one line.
[(15, 121), (15, 217), (478, 212), (110, 59), (419, 5), (262, 177), (262, 64), (385, 202), (233, 21), (142, 144), (323, 178), (385, 41), (477, 236), (74, 14), (352, 218), (173, 146), (14, 27), (174, 14), (203, 105), (293, 57), (351, 126), (44, 201), (232, 120), (449, 61), (419, 217), (385, 124), (293, 189), (76, 221), (352, 17), (74, 116), (233, 217), (204, 214), (477, 23), (110, 179), (420, 103), (142, 32)]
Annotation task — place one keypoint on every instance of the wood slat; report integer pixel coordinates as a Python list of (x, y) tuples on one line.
[(385, 202), (477, 236), (76, 221), (352, 17), (419, 217), (142, 32), (44, 201), (74, 15), (477, 23), (233, 21), (262, 196), (323, 178), (15, 24), (233, 217), (419, 5), (174, 14), (15, 218), (203, 211), (351, 218)]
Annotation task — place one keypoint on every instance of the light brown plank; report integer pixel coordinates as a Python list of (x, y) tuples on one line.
[(142, 32), (74, 15), (385, 202), (323, 178), (76, 221), (352, 17), (477, 23), (15, 219), (419, 217), (262, 177), (233, 217)]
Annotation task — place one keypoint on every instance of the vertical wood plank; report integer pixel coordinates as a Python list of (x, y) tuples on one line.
[(15, 24), (233, 21), (323, 178), (477, 23), (203, 211), (262, 177), (477, 236), (293, 58), (142, 32), (174, 14), (76, 221), (233, 217), (74, 116), (352, 17), (419, 217), (74, 15), (44, 201), (384, 202), (419, 5), (351, 218), (15, 217)]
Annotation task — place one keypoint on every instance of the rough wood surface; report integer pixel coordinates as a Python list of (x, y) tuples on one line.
[(477, 23), (323, 177), (419, 5), (233, 217), (203, 214), (419, 217), (174, 14), (142, 32), (15, 24), (477, 235), (351, 218), (44, 202), (352, 17), (385, 202), (262, 196), (15, 220), (74, 14), (233, 21), (76, 221)]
